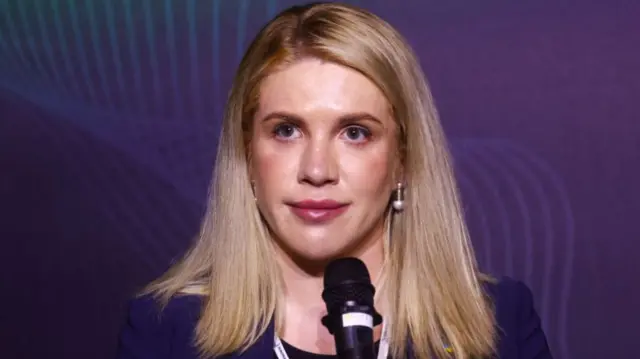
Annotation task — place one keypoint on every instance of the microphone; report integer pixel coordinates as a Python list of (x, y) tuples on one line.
[(351, 316)]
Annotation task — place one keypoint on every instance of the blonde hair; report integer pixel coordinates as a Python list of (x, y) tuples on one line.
[(437, 295)]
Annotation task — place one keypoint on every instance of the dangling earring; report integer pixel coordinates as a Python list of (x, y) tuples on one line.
[(398, 200)]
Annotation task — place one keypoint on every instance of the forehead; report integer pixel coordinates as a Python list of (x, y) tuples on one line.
[(314, 85)]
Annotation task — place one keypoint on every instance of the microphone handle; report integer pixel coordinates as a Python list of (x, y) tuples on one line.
[(357, 353), (355, 342)]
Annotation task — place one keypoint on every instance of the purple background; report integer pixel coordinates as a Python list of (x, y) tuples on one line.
[(109, 113)]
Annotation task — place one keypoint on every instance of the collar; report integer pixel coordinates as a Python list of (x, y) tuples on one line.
[(263, 348)]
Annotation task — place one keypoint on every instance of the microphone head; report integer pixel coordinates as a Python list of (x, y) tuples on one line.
[(347, 280)]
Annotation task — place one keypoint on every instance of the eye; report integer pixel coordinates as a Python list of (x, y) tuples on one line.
[(286, 131), (357, 133)]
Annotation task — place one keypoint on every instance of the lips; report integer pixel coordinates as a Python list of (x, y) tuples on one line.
[(312, 211)]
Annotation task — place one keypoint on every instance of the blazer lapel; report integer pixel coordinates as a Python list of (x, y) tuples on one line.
[(263, 348)]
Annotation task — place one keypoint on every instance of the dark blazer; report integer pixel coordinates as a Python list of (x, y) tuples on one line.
[(149, 334)]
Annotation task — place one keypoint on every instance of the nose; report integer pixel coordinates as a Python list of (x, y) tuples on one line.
[(318, 164)]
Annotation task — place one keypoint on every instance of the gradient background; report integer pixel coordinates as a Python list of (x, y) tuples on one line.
[(109, 113)]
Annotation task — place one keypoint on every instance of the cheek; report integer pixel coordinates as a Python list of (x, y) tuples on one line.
[(370, 175), (271, 169)]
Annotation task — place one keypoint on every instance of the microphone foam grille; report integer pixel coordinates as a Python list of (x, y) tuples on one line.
[(347, 279)]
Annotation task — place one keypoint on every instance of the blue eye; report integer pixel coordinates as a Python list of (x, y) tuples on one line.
[(357, 133), (286, 131)]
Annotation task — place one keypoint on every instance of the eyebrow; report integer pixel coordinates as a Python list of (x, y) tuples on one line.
[(346, 118)]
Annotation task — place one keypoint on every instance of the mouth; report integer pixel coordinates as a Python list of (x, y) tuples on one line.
[(317, 212)]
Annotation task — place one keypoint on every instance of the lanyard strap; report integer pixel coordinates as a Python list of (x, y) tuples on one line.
[(383, 349)]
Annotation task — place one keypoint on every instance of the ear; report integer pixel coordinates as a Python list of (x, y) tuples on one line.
[(249, 159), (399, 164), (399, 173), (250, 170)]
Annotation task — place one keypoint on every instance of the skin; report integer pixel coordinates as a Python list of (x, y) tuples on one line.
[(322, 131)]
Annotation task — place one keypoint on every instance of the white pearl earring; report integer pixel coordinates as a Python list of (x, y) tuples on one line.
[(398, 200)]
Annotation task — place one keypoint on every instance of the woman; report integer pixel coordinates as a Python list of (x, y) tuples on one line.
[(330, 147)]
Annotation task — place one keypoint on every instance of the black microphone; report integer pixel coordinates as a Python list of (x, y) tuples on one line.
[(351, 316)]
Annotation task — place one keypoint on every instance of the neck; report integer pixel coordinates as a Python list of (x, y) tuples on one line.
[(304, 281), (303, 302)]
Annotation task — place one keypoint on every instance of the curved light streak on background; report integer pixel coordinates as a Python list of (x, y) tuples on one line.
[(147, 78), (498, 172)]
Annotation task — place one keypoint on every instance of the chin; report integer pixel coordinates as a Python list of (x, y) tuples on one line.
[(319, 256), (313, 254), (315, 246), (316, 252), (322, 256)]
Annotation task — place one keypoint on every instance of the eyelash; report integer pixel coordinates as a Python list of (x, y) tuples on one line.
[(363, 130)]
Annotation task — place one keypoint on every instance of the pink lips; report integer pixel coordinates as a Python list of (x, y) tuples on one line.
[(313, 211)]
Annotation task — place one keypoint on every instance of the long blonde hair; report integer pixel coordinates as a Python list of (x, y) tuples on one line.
[(437, 295)]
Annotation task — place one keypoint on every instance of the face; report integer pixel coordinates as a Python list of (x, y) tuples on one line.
[(323, 159)]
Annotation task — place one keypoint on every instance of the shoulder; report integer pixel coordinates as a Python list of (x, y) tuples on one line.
[(508, 293), (154, 331), (519, 328)]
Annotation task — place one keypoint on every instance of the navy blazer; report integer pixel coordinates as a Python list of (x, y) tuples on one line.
[(149, 334)]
